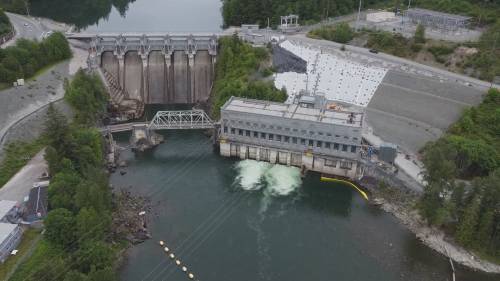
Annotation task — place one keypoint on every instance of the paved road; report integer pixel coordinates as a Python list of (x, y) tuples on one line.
[(401, 62), (19, 186), (25, 27), (32, 28)]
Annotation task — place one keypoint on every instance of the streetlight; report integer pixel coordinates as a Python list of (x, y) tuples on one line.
[(359, 13)]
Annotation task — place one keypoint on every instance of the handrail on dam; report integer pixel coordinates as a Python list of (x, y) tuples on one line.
[(168, 120)]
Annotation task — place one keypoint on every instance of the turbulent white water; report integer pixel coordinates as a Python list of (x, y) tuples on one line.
[(277, 180)]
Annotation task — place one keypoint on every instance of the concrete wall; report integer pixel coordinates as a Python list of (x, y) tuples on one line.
[(340, 167), (202, 75), (109, 62), (133, 75), (161, 79), (181, 78), (157, 81)]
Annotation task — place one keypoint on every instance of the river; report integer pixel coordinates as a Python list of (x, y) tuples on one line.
[(242, 220)]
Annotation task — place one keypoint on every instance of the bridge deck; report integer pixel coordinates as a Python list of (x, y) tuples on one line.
[(169, 120)]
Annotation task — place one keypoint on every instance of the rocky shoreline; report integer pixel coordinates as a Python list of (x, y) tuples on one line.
[(130, 220), (402, 205)]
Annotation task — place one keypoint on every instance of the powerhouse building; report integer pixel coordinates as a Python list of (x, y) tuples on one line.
[(310, 133)]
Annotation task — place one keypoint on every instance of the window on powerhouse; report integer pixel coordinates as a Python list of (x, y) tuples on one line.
[(293, 140)]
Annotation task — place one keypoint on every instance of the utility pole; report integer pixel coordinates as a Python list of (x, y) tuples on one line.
[(27, 5), (359, 14), (493, 51)]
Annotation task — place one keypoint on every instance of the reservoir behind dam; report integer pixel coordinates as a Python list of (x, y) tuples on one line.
[(244, 220)]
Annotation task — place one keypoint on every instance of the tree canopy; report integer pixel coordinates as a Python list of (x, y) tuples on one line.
[(78, 224), (238, 77), (28, 56), (470, 151)]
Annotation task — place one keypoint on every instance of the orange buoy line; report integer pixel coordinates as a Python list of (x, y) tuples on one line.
[(171, 255), (363, 194)]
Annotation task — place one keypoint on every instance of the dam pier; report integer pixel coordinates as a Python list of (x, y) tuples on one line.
[(143, 69)]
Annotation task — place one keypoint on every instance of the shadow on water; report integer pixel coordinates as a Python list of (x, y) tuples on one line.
[(83, 13), (327, 197)]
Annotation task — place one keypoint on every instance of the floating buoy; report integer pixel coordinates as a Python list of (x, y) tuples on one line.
[(166, 249), (191, 276), (172, 256), (177, 262), (184, 269), (162, 243)]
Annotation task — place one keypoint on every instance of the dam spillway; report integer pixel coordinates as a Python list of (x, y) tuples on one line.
[(158, 69)]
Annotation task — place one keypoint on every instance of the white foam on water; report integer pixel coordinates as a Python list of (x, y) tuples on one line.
[(250, 174), (278, 180), (282, 180)]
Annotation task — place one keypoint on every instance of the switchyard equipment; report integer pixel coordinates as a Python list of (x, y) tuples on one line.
[(315, 135), (435, 19)]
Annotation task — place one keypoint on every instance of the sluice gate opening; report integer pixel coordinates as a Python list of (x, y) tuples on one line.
[(157, 69)]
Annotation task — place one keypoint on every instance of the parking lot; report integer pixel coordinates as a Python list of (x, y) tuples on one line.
[(410, 110)]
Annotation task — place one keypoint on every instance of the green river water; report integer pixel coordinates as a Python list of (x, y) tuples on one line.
[(242, 220)]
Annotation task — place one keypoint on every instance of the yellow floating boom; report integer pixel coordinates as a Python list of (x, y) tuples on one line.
[(327, 179)]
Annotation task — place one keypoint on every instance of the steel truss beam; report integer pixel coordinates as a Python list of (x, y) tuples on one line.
[(185, 119)]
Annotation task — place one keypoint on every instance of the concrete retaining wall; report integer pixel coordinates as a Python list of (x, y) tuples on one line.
[(133, 75), (159, 78), (309, 161)]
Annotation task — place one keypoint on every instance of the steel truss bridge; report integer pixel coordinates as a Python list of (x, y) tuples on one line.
[(169, 120)]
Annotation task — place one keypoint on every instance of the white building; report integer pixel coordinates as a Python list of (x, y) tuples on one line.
[(381, 17), (7, 208), (310, 133), (10, 236)]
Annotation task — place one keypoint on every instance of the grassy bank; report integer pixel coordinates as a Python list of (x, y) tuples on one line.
[(5, 25), (241, 71), (17, 154), (30, 237)]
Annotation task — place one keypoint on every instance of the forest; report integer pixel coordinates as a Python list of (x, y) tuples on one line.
[(5, 26), (462, 194), (77, 244), (237, 12), (27, 57), (240, 73)]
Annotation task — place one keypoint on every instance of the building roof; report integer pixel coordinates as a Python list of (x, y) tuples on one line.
[(5, 230), (294, 111), (437, 14), (5, 207), (36, 207)]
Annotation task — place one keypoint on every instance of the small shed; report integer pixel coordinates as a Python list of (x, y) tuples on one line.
[(388, 152)]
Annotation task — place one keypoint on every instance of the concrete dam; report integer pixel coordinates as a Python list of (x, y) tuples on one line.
[(156, 68)]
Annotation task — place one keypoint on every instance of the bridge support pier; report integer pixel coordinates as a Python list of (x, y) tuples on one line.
[(143, 138)]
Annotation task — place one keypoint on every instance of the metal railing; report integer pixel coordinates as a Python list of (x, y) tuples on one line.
[(184, 119)]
